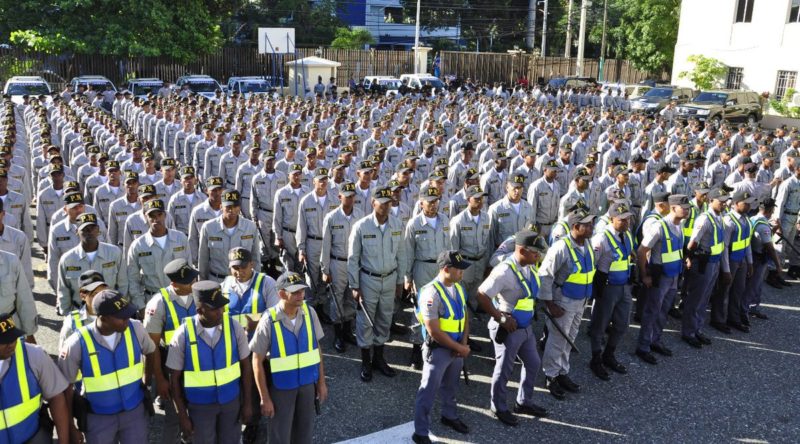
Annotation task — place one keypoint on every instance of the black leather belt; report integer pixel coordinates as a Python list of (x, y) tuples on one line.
[(340, 259), (428, 261), (378, 275), (218, 276), (264, 209), (472, 258), (289, 230), (313, 237), (793, 213)]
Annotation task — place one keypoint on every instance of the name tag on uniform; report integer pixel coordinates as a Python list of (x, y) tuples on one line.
[(503, 214), (248, 236), (397, 233), (145, 253), (109, 265), (487, 226), (369, 236), (176, 249), (16, 206), (421, 232), (259, 182), (202, 221), (64, 238), (446, 229), (136, 232), (73, 268), (213, 238), (286, 200), (337, 227), (48, 202), (103, 200), (121, 213), (466, 228), (310, 209), (180, 207)]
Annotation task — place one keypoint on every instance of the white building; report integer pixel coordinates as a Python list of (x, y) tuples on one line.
[(759, 41)]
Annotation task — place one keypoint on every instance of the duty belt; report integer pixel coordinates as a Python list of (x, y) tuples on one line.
[(341, 259), (793, 213), (268, 210), (427, 261), (378, 275), (289, 229), (473, 258), (218, 276), (313, 237)]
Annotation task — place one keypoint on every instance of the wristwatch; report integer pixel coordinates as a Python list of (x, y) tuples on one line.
[(502, 318)]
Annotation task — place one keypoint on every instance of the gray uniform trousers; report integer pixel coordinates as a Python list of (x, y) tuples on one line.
[(789, 229), (316, 294), (379, 300), (658, 301), (522, 343), (752, 293), (440, 374), (698, 292), (555, 359), (216, 423), (733, 294), (288, 254), (422, 274), (342, 293), (294, 415), (615, 307), (124, 428)]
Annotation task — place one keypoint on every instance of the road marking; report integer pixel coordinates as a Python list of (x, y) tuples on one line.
[(396, 434), (781, 307)]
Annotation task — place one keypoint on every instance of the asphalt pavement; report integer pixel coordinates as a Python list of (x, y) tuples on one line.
[(745, 387)]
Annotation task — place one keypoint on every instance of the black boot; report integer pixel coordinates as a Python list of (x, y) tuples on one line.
[(366, 365), (416, 357), (772, 280), (596, 364), (379, 364), (338, 341), (347, 333), (610, 361)]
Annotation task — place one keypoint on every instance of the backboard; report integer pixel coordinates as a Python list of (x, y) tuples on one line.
[(275, 40)]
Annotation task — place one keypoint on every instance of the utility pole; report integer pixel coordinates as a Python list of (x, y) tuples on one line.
[(601, 68), (416, 40), (544, 30), (530, 39), (582, 35), (569, 31)]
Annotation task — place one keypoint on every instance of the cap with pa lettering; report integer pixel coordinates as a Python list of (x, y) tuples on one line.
[(72, 200), (430, 194), (154, 205), (112, 303), (383, 195), (89, 280), (208, 293), (347, 189), (239, 256), (86, 220), (8, 329), (231, 198), (180, 271), (291, 282), (452, 259)]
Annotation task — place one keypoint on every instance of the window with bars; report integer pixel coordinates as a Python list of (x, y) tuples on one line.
[(734, 80), (794, 12), (744, 11), (785, 80)]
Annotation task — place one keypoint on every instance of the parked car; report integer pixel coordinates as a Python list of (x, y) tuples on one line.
[(249, 85), (715, 106), (654, 100), (19, 86), (200, 84), (421, 80), (633, 90), (98, 83), (143, 87), (382, 84), (571, 82)]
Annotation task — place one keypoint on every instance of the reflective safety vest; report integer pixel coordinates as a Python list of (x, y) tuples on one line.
[(671, 251), (452, 322), (77, 322), (719, 237), (20, 399), (211, 374), (620, 269), (251, 303), (563, 225), (294, 359), (112, 380), (755, 221), (523, 309), (579, 283), (740, 239), (688, 224), (175, 314)]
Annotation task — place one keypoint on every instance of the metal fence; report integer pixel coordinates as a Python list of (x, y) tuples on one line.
[(489, 67)]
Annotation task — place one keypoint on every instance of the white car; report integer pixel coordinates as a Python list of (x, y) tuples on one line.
[(19, 86), (420, 80), (382, 83), (201, 84), (249, 85)]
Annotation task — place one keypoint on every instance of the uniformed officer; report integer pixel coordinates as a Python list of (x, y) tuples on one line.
[(48, 201), (137, 224), (15, 242), (311, 211), (543, 196), (442, 308), (167, 186), (16, 207), (707, 257), (470, 235), (27, 377), (511, 213), (120, 209), (89, 254), (150, 253), (211, 208), (763, 252), (227, 231), (509, 295), (292, 328), (108, 192), (91, 283), (250, 293), (787, 202), (16, 297), (727, 302), (184, 201), (284, 222), (376, 268), (163, 315), (210, 374), (660, 261), (264, 187), (567, 274), (614, 256), (111, 353), (336, 229)]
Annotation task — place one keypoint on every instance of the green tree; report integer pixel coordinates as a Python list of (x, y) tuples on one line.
[(707, 71), (647, 32), (347, 38)]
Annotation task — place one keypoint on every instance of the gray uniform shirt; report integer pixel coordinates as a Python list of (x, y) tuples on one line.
[(118, 213), (703, 235), (108, 261), (336, 229), (506, 221), (471, 238), (146, 260), (180, 206), (51, 381), (503, 286), (216, 242), (177, 348), (544, 201), (48, 202), (376, 250), (104, 195), (201, 214), (557, 266), (424, 242), (16, 294), (16, 243), (310, 215), (264, 187)]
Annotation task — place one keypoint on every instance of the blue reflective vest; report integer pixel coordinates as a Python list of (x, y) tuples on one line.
[(455, 311), (718, 238), (250, 304), (579, 283), (621, 258), (20, 400), (175, 314), (211, 375), (294, 359), (523, 309), (740, 238), (112, 380), (671, 251)]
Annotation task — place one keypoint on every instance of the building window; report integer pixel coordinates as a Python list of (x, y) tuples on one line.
[(393, 15), (794, 12), (734, 80), (744, 11), (786, 80)]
